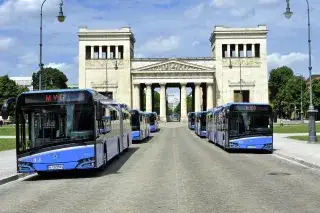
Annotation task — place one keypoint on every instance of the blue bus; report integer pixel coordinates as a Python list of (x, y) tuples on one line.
[(191, 120), (139, 125), (200, 123), (67, 129), (243, 126), (125, 124), (153, 122)]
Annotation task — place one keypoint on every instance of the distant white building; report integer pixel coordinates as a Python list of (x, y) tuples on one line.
[(23, 81)]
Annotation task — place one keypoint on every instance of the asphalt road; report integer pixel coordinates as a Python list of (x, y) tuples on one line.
[(175, 171)]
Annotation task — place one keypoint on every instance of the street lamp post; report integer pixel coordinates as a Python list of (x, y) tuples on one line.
[(61, 18), (312, 111), (240, 81), (301, 110)]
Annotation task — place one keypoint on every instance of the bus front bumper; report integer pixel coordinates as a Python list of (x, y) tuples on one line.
[(81, 157)]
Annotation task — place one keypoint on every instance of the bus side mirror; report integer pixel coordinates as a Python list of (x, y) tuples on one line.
[(4, 109)]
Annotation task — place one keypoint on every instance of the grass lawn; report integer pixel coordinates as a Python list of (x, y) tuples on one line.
[(302, 138), (8, 130), (7, 144), (294, 128)]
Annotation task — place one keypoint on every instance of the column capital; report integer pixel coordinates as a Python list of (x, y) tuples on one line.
[(183, 84), (148, 84), (162, 84), (197, 83), (136, 84)]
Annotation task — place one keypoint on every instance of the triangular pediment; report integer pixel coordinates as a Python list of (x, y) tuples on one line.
[(173, 65)]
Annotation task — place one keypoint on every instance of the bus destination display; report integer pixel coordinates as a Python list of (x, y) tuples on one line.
[(251, 108), (58, 98)]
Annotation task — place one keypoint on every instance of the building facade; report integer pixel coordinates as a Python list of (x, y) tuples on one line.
[(236, 70), (23, 81)]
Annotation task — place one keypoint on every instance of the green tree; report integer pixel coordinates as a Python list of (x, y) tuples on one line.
[(52, 78), (9, 89), (290, 94), (156, 99), (277, 82), (177, 109), (315, 95), (189, 102)]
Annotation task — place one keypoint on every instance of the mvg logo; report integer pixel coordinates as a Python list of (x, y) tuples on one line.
[(50, 98)]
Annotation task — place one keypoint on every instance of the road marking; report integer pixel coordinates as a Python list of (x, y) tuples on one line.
[(295, 162)]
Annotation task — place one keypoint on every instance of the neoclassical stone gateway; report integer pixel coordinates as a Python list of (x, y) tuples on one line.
[(237, 69)]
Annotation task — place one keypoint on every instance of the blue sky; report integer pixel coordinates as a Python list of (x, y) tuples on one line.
[(163, 28)]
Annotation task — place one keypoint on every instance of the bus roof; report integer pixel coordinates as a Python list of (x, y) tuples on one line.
[(241, 103), (59, 90)]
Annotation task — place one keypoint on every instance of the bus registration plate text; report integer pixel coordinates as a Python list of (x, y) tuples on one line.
[(55, 167), (251, 147)]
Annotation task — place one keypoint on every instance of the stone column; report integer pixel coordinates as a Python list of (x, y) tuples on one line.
[(92, 52), (148, 98), (183, 103), (108, 52), (253, 50), (197, 101), (209, 96), (244, 50), (100, 52), (237, 50), (117, 52), (136, 96), (163, 103), (228, 50)]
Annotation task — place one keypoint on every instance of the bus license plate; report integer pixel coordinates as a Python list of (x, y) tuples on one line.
[(251, 147), (55, 167)]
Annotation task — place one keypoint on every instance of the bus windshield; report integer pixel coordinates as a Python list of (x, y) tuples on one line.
[(55, 125), (249, 124), (192, 117), (135, 121), (152, 119)]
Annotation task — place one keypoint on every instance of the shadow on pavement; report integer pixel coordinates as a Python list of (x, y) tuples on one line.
[(146, 140), (112, 167)]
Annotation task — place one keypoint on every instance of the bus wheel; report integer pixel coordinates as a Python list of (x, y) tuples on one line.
[(127, 149)]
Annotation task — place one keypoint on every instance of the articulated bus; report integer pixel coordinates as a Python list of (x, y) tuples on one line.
[(67, 129), (153, 122), (243, 126), (191, 120), (200, 123), (140, 125), (125, 123)]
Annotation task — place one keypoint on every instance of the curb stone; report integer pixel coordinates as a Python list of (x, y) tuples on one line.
[(13, 178), (298, 160)]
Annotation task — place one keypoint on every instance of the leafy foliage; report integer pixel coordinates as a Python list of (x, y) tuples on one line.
[(285, 92), (9, 89), (51, 78)]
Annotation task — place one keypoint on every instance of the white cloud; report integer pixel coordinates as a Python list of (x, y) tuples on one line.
[(242, 12), (63, 67), (28, 59), (160, 45), (15, 9), (277, 60), (195, 43), (223, 3), (266, 2), (5, 43), (194, 12)]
